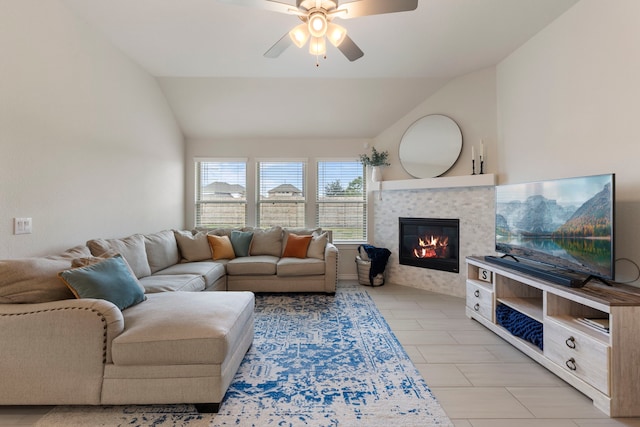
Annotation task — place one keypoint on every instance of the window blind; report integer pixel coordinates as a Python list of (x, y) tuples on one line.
[(221, 195), (281, 193), (341, 203)]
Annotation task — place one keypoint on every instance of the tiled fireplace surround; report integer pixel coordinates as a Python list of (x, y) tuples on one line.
[(473, 205)]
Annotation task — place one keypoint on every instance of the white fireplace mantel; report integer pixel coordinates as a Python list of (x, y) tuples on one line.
[(483, 180)]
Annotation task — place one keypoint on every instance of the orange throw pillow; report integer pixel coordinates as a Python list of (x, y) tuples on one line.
[(297, 246), (221, 247)]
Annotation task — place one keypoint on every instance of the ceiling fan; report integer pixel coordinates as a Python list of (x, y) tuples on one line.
[(317, 25)]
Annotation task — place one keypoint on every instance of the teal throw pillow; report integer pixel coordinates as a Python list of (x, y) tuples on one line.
[(110, 280), (241, 240)]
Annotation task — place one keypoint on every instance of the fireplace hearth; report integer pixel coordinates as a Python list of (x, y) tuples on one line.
[(430, 243)]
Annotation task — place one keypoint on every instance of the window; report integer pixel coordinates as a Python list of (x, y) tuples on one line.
[(281, 193), (221, 198), (341, 203), (266, 193)]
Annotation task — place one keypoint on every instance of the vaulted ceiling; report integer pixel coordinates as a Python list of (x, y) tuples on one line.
[(208, 58)]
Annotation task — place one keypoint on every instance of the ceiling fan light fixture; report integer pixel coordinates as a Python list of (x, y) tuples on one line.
[(299, 35), (317, 24), (336, 34), (318, 46)]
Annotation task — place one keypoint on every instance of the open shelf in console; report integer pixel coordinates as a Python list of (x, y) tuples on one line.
[(531, 307), (568, 312), (520, 297)]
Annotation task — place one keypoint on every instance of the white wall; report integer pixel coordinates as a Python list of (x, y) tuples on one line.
[(470, 100), (568, 105), (89, 146)]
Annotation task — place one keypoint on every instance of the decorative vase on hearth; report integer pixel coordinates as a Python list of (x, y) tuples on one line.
[(376, 173)]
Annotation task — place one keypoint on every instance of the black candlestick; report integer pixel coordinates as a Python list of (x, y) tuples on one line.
[(481, 166), (473, 166)]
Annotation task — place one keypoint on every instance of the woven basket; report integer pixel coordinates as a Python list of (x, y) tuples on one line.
[(363, 273)]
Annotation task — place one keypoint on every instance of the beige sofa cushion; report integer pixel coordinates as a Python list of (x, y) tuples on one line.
[(266, 242), (172, 282), (218, 231), (162, 250), (300, 267), (131, 248), (301, 231), (193, 247), (162, 332), (210, 270), (35, 280), (75, 252), (252, 266)]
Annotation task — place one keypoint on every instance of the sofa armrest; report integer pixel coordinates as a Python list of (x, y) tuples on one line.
[(79, 317), (62, 346), (330, 268)]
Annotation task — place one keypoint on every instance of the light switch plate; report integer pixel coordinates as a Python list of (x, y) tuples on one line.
[(22, 226)]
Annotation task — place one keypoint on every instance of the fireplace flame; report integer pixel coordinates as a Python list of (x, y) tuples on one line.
[(432, 247)]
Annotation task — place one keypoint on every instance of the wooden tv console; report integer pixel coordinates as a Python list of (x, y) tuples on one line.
[(604, 366)]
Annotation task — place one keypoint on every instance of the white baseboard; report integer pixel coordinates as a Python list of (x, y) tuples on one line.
[(348, 276)]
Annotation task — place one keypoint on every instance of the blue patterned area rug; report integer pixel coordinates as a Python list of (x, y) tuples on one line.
[(317, 360)]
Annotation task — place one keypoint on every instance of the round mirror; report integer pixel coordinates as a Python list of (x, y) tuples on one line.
[(430, 146)]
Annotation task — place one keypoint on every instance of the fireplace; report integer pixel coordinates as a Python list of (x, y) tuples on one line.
[(430, 243)]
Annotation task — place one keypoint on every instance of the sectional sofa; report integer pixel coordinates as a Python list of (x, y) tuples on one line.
[(122, 321)]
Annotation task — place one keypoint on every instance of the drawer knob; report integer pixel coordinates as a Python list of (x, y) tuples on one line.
[(477, 293), (570, 342), (571, 364), (476, 307)]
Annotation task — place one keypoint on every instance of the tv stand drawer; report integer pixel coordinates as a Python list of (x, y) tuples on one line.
[(480, 300), (578, 354)]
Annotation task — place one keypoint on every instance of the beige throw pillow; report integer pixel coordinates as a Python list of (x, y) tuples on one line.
[(317, 245), (131, 248), (267, 242), (35, 280), (162, 250), (193, 247)]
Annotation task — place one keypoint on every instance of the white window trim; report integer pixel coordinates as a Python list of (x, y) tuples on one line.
[(221, 159)]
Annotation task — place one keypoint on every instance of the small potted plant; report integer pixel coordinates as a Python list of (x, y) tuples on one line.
[(376, 161)]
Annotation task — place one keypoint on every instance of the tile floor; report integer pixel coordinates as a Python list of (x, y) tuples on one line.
[(479, 379)]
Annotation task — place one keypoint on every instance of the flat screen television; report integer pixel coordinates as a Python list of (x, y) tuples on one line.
[(563, 223)]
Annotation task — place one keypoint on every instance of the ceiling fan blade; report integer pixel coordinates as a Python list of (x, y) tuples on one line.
[(358, 8), (279, 47), (272, 5), (350, 49)]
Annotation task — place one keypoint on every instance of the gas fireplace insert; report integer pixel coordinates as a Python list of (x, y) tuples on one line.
[(430, 243)]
